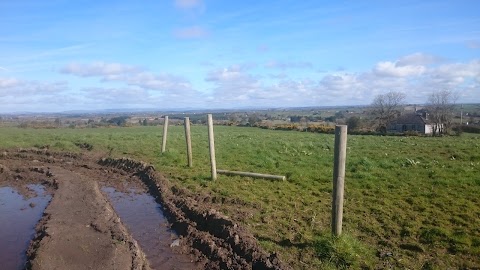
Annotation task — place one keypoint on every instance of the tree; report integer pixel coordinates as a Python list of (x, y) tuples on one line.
[(353, 122), (119, 120), (339, 114), (253, 119), (332, 119), (304, 121), (386, 107), (233, 118), (295, 118), (440, 107)]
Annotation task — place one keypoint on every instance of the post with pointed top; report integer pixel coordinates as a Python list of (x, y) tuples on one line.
[(211, 144), (340, 155), (189, 141), (164, 138)]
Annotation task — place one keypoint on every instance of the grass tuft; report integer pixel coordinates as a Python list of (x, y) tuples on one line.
[(343, 252)]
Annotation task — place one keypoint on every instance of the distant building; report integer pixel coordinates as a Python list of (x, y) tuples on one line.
[(412, 122)]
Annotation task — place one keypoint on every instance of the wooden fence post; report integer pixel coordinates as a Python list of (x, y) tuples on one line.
[(189, 141), (340, 155), (211, 144), (164, 139), (254, 175)]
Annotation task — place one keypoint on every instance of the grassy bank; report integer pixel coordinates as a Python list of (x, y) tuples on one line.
[(409, 201)]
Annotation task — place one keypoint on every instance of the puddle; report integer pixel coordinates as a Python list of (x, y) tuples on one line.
[(18, 217), (144, 218)]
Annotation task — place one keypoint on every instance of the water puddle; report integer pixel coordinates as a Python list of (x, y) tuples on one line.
[(144, 218), (18, 217)]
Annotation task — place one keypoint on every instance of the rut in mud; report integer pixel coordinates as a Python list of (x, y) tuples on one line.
[(80, 227), (145, 220)]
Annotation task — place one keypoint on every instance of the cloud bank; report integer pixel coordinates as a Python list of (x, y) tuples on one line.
[(417, 75), (245, 84)]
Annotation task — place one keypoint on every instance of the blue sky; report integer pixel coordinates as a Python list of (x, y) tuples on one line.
[(62, 55)]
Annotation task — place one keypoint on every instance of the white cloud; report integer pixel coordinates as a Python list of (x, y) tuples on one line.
[(470, 69), (455, 75), (21, 88), (237, 86), (229, 74), (339, 83), (192, 32), (246, 84), (418, 81), (418, 59), (98, 69), (293, 90), (41, 103), (8, 82), (394, 70), (161, 82), (130, 75), (287, 65), (27, 95), (233, 84), (116, 95), (136, 97)]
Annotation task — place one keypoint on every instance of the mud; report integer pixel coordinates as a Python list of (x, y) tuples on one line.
[(80, 229)]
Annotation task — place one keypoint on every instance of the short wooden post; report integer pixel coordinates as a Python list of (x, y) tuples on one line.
[(211, 144), (340, 155), (164, 139), (189, 141)]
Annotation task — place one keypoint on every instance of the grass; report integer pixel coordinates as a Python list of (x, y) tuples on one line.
[(410, 202)]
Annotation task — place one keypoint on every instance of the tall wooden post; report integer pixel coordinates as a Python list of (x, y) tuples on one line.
[(164, 139), (340, 155), (211, 144), (189, 141)]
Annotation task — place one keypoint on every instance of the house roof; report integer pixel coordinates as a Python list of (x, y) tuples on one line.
[(410, 119)]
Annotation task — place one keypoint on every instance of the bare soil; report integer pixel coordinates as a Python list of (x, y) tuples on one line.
[(80, 229)]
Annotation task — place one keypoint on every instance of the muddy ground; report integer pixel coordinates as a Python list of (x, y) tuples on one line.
[(80, 229)]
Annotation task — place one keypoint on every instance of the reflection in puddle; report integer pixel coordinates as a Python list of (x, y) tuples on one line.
[(146, 222), (18, 217)]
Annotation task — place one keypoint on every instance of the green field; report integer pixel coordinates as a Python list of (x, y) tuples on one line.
[(410, 202)]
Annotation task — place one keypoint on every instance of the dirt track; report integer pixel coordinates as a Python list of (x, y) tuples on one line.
[(80, 229)]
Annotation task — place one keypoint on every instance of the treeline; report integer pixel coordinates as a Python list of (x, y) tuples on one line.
[(302, 118), (468, 129)]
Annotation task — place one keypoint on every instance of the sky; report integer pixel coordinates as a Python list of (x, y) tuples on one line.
[(62, 55)]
